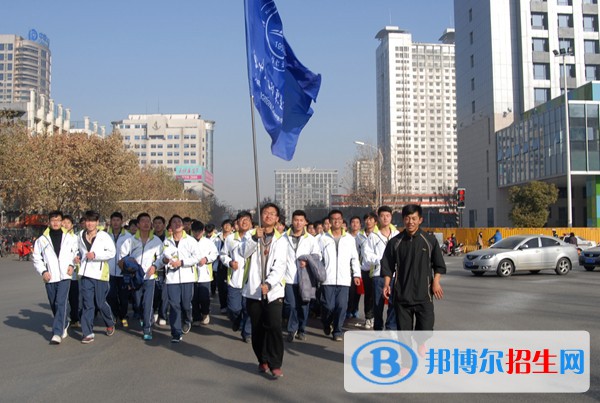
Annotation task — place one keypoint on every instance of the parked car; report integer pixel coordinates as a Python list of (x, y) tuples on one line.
[(590, 258), (521, 253), (582, 244)]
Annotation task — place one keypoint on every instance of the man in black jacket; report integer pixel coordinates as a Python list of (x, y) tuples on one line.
[(415, 258)]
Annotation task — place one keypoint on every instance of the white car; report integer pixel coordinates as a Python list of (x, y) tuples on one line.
[(582, 244), (521, 253)]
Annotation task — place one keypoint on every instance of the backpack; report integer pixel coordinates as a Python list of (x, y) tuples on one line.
[(133, 274)]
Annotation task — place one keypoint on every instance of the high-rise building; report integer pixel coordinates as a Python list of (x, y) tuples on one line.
[(416, 113), (364, 175), (297, 188), (179, 142), (24, 66), (506, 66)]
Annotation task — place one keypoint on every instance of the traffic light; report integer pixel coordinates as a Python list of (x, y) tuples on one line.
[(460, 198)]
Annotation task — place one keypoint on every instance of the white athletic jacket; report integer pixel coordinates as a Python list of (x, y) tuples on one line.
[(341, 260), (45, 259), (361, 240), (147, 255), (112, 263), (208, 250), (189, 252), (230, 251), (307, 245), (276, 265), (374, 248), (104, 248)]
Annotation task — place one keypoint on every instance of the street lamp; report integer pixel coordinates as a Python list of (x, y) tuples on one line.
[(380, 160), (564, 52)]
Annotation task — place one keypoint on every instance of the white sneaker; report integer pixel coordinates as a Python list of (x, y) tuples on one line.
[(56, 339), (155, 317), (65, 333), (369, 324), (162, 322), (205, 320)]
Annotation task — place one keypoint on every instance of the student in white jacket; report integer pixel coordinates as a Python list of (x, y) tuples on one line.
[(147, 250), (118, 296), (221, 276), (341, 264), (201, 299), (237, 273), (299, 243), (96, 249), (54, 259), (180, 254), (372, 254), (370, 220), (264, 290)]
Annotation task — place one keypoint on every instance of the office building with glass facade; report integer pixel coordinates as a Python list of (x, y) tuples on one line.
[(536, 149)]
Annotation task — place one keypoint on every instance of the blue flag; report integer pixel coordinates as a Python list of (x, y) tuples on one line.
[(282, 87)]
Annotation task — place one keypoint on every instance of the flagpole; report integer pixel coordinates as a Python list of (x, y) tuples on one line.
[(260, 251), (256, 181)]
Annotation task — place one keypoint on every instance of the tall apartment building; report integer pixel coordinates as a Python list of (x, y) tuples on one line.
[(179, 142), (505, 67), (297, 188), (416, 113), (364, 175), (24, 66)]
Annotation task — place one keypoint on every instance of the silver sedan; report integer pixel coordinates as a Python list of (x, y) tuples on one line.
[(520, 253)]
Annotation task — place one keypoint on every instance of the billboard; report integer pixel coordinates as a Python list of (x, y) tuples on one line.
[(194, 173)]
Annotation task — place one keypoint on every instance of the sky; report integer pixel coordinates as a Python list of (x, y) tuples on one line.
[(113, 58)]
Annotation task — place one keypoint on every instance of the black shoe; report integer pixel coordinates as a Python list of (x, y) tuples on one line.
[(176, 339), (327, 329), (235, 326), (186, 327)]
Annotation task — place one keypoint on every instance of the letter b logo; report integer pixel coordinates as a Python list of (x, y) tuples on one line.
[(385, 362)]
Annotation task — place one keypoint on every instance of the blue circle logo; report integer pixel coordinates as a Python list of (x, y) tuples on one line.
[(384, 362), (33, 35)]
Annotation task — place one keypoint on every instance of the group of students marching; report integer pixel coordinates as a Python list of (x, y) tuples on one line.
[(263, 274)]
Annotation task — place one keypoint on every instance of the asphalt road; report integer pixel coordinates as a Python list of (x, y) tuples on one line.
[(213, 364)]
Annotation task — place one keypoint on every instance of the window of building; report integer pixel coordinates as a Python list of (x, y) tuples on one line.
[(541, 71), (570, 71), (565, 20), (471, 37), (470, 14), (540, 44), (590, 1), (590, 23), (541, 95), (539, 21), (564, 2), (592, 72), (472, 61), (566, 43), (591, 46), (472, 106)]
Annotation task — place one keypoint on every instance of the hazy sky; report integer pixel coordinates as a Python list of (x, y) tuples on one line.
[(115, 58)]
